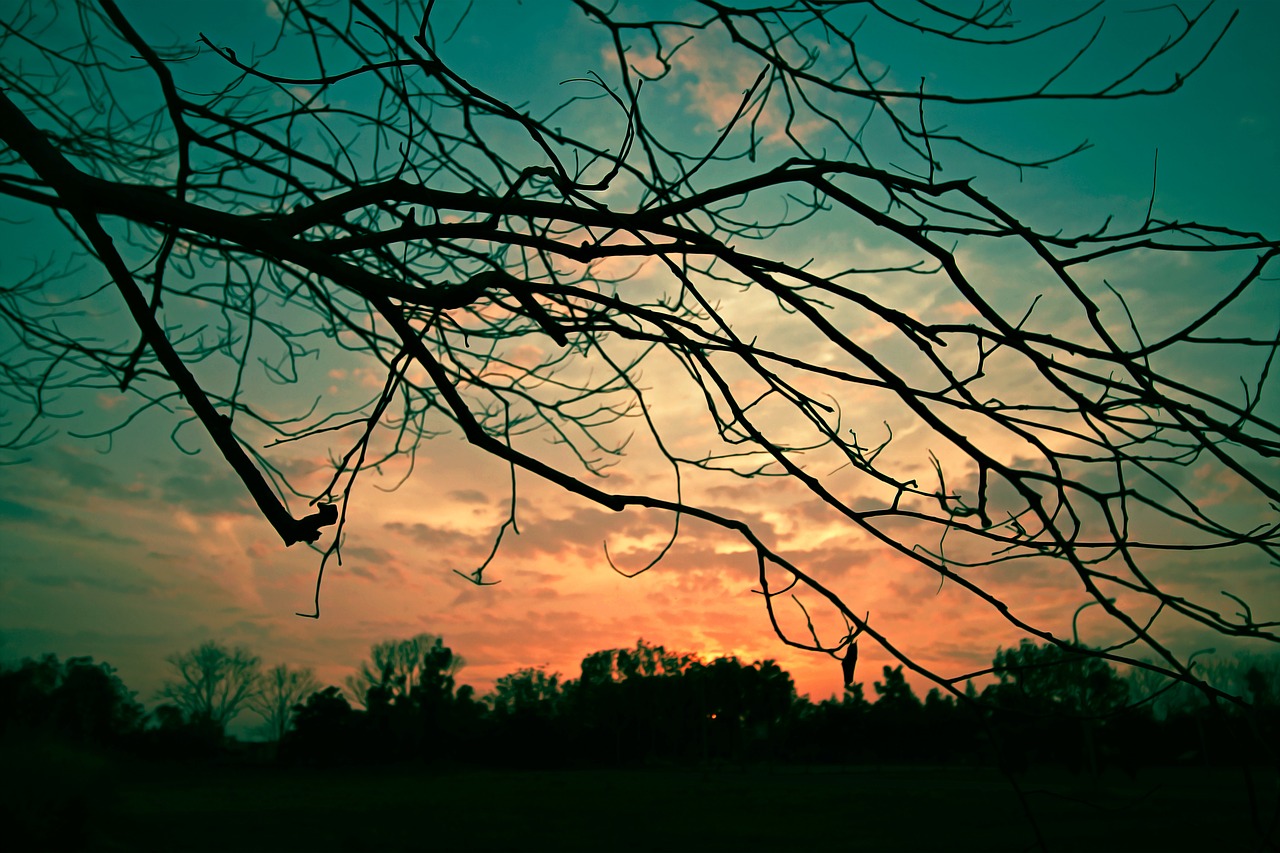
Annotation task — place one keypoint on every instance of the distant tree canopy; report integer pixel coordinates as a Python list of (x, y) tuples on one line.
[(518, 271), (76, 698), (525, 693), (1050, 679), (1046, 707), (405, 670)]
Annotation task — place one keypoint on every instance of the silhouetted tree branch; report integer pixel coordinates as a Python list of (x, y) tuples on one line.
[(247, 213)]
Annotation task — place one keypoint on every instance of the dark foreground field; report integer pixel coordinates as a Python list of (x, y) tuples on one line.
[(94, 804)]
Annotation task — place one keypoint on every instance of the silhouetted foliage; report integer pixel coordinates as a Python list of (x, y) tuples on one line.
[(58, 722), (835, 730), (1048, 707), (527, 693), (407, 688), (398, 668), (78, 699), (746, 708), (326, 729), (529, 719), (1053, 703), (651, 704), (1056, 680), (895, 721), (173, 736)]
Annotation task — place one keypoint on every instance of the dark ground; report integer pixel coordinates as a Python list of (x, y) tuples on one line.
[(76, 801)]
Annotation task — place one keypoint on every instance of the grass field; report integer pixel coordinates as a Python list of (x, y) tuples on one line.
[(77, 801), (173, 808)]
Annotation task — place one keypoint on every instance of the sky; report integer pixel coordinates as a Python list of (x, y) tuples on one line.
[(138, 545)]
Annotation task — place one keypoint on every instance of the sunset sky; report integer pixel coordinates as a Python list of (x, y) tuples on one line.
[(129, 549)]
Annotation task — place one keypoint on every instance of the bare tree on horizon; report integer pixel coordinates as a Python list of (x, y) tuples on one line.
[(214, 683), (280, 690)]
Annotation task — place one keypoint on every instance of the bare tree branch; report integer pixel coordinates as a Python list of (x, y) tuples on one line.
[(439, 228)]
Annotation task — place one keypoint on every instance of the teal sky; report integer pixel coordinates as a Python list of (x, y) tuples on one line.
[(128, 549)]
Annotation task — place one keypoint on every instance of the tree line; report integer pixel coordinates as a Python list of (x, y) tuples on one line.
[(1046, 705)]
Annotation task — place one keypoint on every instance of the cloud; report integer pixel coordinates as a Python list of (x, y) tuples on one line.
[(15, 511), (207, 489), (56, 470), (106, 583), (436, 538)]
